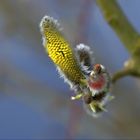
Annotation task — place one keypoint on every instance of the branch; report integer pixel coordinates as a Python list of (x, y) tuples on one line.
[(120, 24), (122, 73), (127, 34)]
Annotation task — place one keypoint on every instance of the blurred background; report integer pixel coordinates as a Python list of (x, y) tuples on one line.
[(34, 102)]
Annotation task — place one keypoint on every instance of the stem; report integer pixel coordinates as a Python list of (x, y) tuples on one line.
[(120, 24), (120, 74), (127, 34)]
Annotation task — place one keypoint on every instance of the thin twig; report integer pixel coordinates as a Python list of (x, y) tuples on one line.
[(120, 74)]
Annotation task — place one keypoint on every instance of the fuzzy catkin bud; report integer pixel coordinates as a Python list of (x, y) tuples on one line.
[(60, 51)]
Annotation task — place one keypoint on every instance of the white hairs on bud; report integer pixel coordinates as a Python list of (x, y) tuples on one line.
[(82, 48), (49, 22), (66, 80), (46, 23), (107, 99)]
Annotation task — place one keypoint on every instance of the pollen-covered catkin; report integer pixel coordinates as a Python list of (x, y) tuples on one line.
[(59, 50)]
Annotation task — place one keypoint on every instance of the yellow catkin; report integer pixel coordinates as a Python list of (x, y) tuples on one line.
[(59, 50)]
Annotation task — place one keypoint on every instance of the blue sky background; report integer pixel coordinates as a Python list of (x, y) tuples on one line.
[(34, 101)]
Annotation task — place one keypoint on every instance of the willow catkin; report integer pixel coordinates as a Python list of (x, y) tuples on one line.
[(59, 50)]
